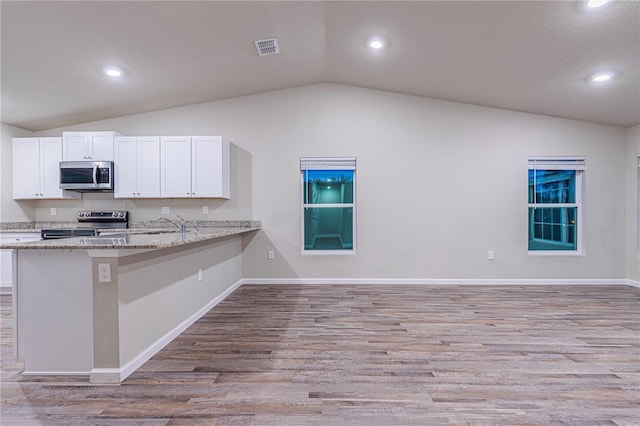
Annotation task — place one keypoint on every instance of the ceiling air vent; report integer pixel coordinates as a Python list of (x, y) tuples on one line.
[(267, 47)]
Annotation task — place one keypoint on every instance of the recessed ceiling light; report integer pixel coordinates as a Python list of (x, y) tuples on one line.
[(596, 3), (376, 43), (113, 72), (602, 76)]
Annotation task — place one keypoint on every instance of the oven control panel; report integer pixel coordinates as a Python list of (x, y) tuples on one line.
[(85, 216)]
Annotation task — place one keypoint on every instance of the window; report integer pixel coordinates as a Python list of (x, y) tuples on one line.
[(328, 205), (555, 205)]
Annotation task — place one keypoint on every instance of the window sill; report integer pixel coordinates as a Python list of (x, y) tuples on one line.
[(328, 253), (555, 253)]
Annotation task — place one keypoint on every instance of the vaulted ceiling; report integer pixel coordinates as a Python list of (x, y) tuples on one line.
[(527, 56)]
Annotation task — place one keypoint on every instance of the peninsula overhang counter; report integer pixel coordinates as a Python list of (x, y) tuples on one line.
[(102, 306)]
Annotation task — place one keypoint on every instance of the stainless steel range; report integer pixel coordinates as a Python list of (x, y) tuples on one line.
[(91, 224)]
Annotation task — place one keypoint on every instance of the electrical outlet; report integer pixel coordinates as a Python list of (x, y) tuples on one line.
[(491, 255), (104, 273), (271, 255), (200, 274), (53, 211), (205, 209), (166, 210)]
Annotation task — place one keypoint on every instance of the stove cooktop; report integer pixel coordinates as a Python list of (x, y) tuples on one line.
[(89, 222)]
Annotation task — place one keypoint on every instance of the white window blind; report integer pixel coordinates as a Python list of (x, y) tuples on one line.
[(327, 163), (556, 163)]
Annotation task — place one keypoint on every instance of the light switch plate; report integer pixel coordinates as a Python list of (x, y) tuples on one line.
[(205, 209), (166, 210)]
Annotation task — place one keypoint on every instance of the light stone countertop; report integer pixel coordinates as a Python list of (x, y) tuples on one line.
[(138, 238)]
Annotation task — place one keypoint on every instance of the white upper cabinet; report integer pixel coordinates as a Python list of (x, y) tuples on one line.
[(209, 167), (88, 146), (194, 167), (26, 168), (36, 168), (175, 169), (144, 166), (137, 167)]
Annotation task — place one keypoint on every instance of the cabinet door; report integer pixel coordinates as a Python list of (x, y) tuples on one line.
[(75, 146), (207, 167), (148, 167), (50, 157), (126, 167), (175, 169), (6, 269), (100, 146), (26, 168)]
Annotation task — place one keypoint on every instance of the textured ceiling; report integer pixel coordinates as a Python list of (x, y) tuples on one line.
[(526, 56)]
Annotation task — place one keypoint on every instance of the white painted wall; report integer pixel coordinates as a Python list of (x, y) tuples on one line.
[(632, 212), (439, 183)]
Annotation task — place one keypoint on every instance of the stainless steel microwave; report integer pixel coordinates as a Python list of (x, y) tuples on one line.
[(86, 176)]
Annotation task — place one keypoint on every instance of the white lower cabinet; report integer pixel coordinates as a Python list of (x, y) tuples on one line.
[(137, 167), (194, 167), (6, 265)]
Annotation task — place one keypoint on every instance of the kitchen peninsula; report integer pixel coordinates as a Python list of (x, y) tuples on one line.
[(102, 306)]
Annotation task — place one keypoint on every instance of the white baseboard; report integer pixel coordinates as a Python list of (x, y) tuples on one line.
[(633, 283), (55, 373), (117, 375), (442, 281), (6, 289)]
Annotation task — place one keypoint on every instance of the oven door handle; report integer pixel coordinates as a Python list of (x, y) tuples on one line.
[(45, 236), (95, 174)]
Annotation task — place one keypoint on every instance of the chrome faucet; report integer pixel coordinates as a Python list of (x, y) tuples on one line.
[(182, 226)]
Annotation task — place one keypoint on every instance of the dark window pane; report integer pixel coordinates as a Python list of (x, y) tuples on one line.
[(552, 186), (553, 228), (328, 186), (328, 228)]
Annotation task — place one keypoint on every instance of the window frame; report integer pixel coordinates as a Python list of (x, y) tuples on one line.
[(327, 164), (578, 164)]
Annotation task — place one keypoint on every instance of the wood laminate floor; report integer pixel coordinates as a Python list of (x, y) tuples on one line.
[(369, 355)]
